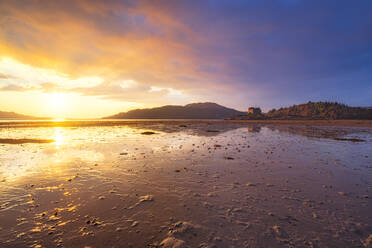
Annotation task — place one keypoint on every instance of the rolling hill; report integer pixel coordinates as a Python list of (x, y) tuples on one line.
[(14, 116), (205, 110)]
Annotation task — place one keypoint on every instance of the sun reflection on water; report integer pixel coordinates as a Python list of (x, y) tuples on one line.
[(58, 136)]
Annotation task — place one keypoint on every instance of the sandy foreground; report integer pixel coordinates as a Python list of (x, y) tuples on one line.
[(186, 184)]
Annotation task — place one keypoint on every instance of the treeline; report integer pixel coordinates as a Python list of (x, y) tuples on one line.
[(321, 111)]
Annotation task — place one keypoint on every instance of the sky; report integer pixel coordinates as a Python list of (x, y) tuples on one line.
[(90, 58)]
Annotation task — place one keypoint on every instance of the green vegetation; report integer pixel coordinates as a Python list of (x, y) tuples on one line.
[(321, 111)]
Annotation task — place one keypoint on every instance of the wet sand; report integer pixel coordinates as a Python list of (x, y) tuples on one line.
[(187, 184)]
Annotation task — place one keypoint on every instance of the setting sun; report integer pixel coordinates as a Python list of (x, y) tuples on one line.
[(58, 103)]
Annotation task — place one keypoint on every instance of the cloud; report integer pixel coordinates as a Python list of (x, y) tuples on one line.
[(4, 76), (132, 91), (208, 49), (27, 78), (13, 87), (44, 87)]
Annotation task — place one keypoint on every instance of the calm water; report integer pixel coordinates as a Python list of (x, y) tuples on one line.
[(186, 185)]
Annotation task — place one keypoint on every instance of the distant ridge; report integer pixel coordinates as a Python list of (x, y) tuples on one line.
[(206, 110), (14, 116)]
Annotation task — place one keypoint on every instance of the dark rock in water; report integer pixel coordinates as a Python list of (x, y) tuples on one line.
[(212, 131), (229, 158), (23, 141), (148, 133), (350, 139)]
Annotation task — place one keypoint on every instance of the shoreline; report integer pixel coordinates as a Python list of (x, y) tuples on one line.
[(87, 123)]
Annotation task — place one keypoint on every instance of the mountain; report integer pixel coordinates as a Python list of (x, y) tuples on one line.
[(205, 110), (12, 116), (321, 110)]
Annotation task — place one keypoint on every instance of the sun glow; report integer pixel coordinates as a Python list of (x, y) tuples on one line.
[(58, 103)]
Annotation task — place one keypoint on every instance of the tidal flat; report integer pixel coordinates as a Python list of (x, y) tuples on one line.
[(185, 184)]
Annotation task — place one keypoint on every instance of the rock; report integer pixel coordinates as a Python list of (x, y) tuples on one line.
[(148, 133), (211, 194), (146, 198), (54, 218), (172, 242), (279, 232), (182, 227), (249, 184), (368, 242)]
